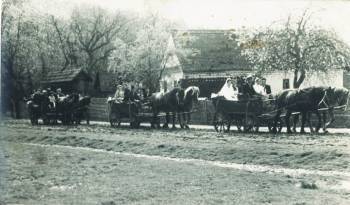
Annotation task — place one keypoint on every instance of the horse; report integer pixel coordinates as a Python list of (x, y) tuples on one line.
[(169, 102), (81, 110), (303, 101), (65, 106), (334, 98), (37, 106), (191, 96)]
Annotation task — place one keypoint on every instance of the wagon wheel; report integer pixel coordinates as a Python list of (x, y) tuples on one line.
[(256, 126), (270, 125), (114, 120), (135, 124), (221, 124), (249, 123), (33, 120), (46, 121)]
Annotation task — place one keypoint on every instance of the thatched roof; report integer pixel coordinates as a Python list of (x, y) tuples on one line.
[(213, 51), (67, 75)]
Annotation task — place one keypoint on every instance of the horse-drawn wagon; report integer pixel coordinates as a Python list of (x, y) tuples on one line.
[(130, 112), (247, 115), (68, 110)]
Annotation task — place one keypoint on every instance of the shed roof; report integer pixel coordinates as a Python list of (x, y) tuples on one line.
[(211, 51), (67, 75)]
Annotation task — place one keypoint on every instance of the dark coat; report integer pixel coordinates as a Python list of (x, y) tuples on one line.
[(130, 95), (268, 89), (247, 90)]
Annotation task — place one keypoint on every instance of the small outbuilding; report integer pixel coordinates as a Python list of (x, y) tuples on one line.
[(70, 80)]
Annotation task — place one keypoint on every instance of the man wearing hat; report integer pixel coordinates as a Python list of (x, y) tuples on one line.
[(248, 86), (59, 92)]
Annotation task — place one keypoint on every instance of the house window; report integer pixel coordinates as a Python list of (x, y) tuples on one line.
[(165, 86), (285, 84)]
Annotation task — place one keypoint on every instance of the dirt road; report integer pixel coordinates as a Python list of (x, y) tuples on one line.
[(101, 165)]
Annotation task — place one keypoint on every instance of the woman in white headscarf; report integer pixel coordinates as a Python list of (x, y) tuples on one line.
[(229, 90)]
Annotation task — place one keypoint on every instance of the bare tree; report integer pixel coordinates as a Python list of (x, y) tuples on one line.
[(95, 31)]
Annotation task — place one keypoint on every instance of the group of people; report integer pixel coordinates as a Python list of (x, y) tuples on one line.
[(52, 95), (249, 86), (131, 92)]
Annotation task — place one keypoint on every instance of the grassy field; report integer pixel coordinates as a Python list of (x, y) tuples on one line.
[(100, 165)]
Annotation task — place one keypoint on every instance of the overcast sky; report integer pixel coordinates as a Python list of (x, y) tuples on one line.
[(221, 14)]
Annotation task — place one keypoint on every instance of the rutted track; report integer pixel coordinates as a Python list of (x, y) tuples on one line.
[(243, 167), (311, 152), (84, 164)]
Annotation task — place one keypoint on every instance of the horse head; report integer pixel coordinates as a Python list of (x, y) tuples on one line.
[(192, 94), (337, 96), (180, 96)]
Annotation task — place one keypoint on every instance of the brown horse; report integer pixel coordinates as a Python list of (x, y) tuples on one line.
[(191, 97), (334, 98), (169, 102), (303, 101)]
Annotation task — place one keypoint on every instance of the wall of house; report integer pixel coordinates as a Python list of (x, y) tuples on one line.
[(332, 78), (346, 79), (170, 79)]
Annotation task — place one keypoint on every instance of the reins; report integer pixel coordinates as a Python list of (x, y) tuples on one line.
[(323, 100)]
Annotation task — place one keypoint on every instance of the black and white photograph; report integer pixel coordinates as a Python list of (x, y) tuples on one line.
[(175, 102)]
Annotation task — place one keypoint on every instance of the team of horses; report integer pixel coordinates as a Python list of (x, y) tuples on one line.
[(70, 109), (319, 100)]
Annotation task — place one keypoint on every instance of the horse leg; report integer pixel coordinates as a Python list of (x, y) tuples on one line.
[(308, 119), (277, 117), (319, 123), (303, 120), (182, 119), (154, 120), (166, 124), (174, 118), (331, 115), (288, 114), (188, 120), (295, 122)]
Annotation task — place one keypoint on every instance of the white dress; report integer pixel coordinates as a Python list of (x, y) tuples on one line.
[(229, 92)]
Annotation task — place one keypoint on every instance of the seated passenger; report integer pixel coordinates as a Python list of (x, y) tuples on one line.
[(119, 94), (134, 94), (258, 88), (266, 86), (59, 92), (127, 93), (229, 91), (247, 87)]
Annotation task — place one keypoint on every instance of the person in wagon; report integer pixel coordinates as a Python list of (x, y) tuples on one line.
[(229, 91), (119, 93), (247, 87), (266, 86), (258, 88)]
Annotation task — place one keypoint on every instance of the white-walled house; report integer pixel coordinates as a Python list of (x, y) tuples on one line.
[(280, 80), (216, 55)]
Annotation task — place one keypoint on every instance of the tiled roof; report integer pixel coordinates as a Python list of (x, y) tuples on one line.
[(211, 51), (64, 76)]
